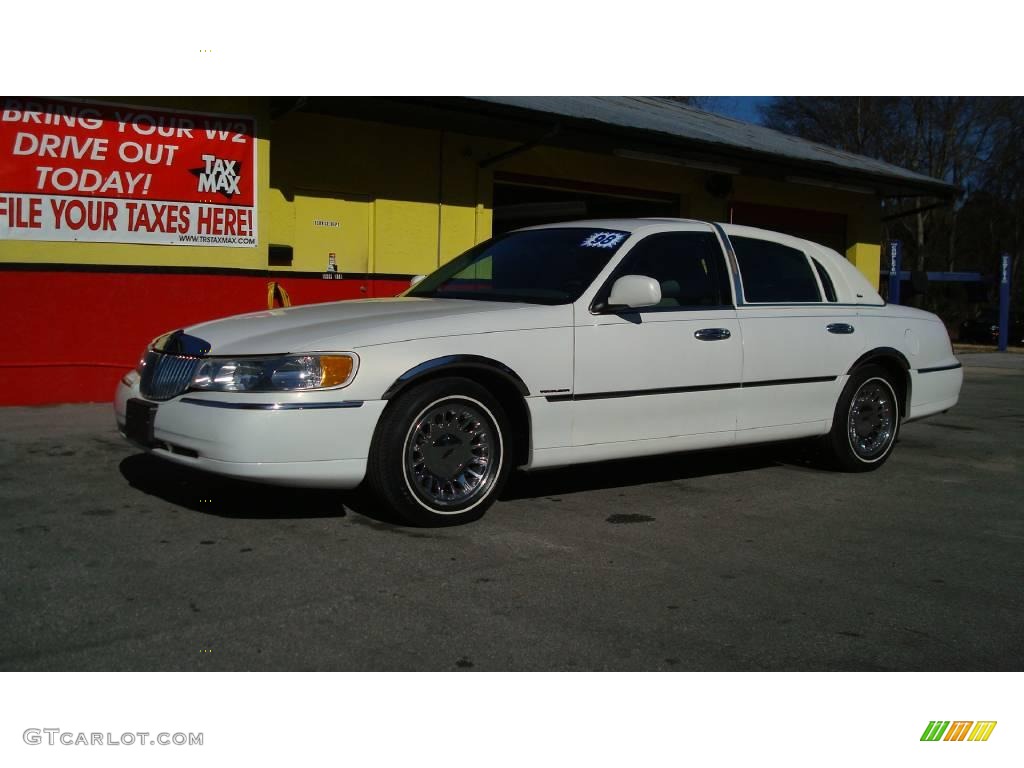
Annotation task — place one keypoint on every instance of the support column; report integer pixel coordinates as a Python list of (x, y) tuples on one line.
[(867, 258), (895, 253), (1004, 301)]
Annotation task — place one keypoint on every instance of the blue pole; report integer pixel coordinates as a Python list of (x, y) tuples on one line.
[(1004, 302), (895, 248)]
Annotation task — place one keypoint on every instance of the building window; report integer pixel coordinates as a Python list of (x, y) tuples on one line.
[(773, 273), (279, 255)]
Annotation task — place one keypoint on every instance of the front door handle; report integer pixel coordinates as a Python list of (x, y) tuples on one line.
[(712, 334), (839, 328)]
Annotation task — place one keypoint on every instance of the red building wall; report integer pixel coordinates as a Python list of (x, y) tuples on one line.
[(68, 335)]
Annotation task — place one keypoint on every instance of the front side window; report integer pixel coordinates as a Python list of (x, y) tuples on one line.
[(773, 273), (538, 266), (689, 266)]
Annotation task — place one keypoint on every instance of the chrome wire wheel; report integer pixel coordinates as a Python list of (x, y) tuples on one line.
[(452, 454), (873, 419)]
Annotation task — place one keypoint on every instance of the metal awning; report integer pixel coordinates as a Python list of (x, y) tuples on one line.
[(723, 138), (645, 128)]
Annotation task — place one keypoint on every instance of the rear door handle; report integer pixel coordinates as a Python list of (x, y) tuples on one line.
[(839, 328), (712, 334)]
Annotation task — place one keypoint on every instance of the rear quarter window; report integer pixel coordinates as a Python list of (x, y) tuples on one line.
[(826, 281)]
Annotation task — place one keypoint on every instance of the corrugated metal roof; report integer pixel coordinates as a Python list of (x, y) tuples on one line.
[(713, 132)]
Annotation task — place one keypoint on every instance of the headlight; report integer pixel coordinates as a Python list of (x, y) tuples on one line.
[(274, 374)]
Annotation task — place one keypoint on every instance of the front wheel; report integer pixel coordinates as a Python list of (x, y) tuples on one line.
[(866, 421), (439, 454)]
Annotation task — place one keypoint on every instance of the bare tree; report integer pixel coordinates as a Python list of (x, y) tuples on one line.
[(949, 137)]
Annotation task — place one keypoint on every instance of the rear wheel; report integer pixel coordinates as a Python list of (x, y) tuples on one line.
[(439, 453), (866, 422)]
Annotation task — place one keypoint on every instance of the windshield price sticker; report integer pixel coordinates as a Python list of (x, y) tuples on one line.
[(603, 240)]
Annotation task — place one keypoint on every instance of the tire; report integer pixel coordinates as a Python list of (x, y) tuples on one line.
[(866, 422), (441, 453)]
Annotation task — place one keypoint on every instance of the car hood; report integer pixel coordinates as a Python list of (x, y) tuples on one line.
[(347, 325)]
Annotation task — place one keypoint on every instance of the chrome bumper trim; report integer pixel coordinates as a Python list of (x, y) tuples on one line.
[(941, 368), (271, 406)]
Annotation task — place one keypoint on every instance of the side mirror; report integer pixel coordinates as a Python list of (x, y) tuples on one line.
[(416, 279), (634, 292)]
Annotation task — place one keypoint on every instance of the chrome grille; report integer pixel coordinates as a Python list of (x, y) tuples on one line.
[(166, 376)]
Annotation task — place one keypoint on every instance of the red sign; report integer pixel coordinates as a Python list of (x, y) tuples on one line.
[(79, 170)]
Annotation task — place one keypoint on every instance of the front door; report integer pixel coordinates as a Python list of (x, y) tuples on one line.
[(667, 371)]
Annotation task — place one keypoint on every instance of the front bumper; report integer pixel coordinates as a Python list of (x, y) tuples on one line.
[(308, 439)]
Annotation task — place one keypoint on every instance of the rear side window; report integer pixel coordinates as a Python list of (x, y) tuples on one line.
[(826, 281), (774, 273)]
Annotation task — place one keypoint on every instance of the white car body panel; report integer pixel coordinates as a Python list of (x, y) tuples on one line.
[(921, 337), (593, 384), (787, 343), (285, 447), (542, 357), (610, 353), (368, 322)]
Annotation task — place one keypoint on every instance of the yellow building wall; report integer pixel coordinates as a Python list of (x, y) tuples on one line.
[(864, 240), (420, 200), (862, 211), (867, 257), (461, 204), (609, 170), (407, 199)]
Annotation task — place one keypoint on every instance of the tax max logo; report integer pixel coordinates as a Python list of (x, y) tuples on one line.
[(219, 175), (958, 730)]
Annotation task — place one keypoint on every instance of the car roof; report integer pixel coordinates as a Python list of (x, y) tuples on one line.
[(623, 225)]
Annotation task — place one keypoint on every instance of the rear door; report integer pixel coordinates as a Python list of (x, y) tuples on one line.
[(666, 371), (797, 342)]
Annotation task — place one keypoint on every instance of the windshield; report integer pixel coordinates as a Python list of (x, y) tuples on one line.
[(537, 266)]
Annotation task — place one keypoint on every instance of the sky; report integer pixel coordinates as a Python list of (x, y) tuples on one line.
[(739, 107)]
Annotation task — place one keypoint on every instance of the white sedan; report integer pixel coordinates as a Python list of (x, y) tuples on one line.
[(543, 347)]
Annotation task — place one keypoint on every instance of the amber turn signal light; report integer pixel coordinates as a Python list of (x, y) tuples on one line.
[(335, 369)]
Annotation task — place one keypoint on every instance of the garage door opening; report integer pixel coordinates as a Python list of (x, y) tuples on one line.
[(527, 201), (828, 229)]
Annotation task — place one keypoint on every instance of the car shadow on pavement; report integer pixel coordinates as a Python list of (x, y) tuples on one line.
[(240, 499), (244, 500), (624, 473), (224, 496)]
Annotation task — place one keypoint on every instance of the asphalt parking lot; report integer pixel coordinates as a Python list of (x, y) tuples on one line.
[(746, 560)]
